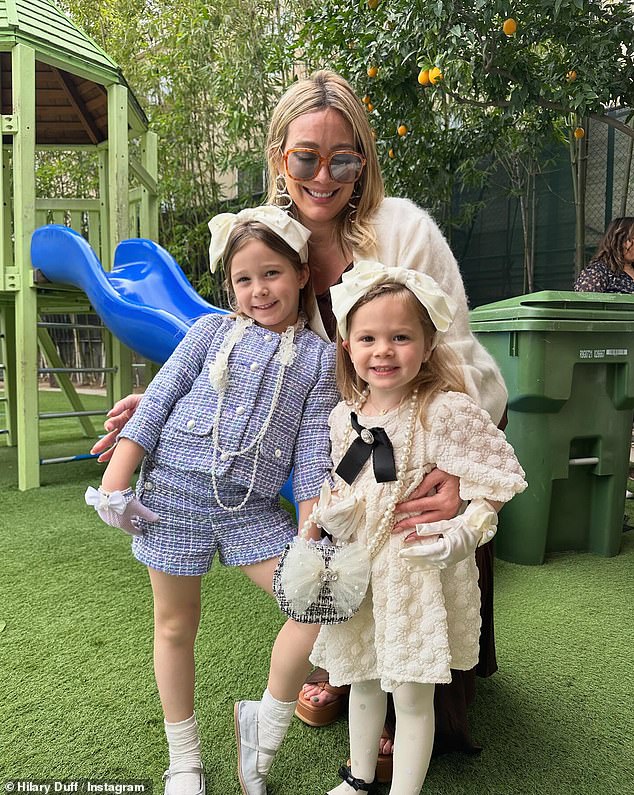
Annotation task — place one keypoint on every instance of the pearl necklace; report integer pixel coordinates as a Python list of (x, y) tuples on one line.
[(219, 377), (384, 528)]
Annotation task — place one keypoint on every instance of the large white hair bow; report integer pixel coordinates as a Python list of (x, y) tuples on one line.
[(304, 573), (277, 221), (367, 274)]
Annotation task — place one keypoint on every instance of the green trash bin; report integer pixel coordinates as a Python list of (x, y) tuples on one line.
[(568, 362)]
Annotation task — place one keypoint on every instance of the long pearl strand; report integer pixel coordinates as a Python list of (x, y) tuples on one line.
[(285, 356)]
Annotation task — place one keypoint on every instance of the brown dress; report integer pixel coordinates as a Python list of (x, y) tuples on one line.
[(451, 701)]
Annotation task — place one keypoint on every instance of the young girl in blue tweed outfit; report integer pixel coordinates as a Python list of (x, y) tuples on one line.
[(243, 400)]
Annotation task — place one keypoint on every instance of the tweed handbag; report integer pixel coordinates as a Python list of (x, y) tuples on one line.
[(321, 583)]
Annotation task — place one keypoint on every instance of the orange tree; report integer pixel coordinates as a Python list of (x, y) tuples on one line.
[(498, 68)]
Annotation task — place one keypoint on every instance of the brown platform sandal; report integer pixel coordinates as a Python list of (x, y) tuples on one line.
[(315, 714), (384, 764)]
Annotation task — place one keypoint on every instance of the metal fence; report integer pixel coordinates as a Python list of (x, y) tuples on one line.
[(80, 343), (610, 191), (491, 251)]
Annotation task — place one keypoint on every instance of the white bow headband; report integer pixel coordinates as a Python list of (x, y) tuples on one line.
[(367, 274), (279, 222)]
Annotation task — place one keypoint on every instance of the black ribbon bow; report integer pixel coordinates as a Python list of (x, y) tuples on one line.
[(369, 441)]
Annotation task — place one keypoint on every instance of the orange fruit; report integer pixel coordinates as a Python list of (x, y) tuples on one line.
[(391, 153), (435, 75), (366, 99), (372, 71), (571, 76), (372, 4), (423, 77), (510, 26), (402, 130), (579, 133), (370, 107)]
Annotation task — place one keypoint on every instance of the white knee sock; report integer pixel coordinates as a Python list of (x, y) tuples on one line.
[(184, 750), (414, 740), (274, 718)]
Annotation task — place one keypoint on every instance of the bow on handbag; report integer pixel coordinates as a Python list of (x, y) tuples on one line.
[(306, 571)]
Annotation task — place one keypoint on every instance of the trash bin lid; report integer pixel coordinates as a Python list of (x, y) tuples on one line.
[(557, 309)]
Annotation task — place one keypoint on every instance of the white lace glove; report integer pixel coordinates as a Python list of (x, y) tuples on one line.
[(120, 509), (459, 538), (338, 515)]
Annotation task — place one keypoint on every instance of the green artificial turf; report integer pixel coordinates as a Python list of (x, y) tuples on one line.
[(78, 699)]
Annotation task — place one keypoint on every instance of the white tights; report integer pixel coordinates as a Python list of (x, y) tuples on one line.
[(413, 742)]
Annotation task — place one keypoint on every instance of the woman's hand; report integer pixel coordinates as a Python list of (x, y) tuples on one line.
[(443, 504), (118, 415), (458, 537)]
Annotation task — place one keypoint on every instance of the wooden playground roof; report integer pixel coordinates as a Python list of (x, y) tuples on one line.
[(71, 74)]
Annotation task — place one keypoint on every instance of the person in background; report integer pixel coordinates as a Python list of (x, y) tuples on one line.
[(611, 269)]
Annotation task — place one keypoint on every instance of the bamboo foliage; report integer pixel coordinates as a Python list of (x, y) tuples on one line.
[(208, 76)]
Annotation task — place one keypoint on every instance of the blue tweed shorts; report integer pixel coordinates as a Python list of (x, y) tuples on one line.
[(192, 527)]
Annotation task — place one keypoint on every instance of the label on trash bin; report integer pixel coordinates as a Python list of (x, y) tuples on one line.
[(601, 353)]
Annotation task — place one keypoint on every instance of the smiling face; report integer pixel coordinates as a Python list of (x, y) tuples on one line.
[(266, 285), (387, 346), (319, 200)]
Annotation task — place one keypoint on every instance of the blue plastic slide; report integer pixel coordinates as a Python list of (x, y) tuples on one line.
[(146, 301)]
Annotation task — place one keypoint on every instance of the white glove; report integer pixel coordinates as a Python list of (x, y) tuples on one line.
[(339, 515), (459, 538), (120, 509)]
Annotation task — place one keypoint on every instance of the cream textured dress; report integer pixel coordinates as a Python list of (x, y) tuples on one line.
[(413, 626)]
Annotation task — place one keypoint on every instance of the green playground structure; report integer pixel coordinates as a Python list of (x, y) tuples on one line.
[(59, 91)]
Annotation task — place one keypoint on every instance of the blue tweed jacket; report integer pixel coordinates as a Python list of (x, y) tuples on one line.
[(173, 422)]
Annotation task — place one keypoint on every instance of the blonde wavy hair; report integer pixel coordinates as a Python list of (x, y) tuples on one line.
[(325, 89), (441, 372)]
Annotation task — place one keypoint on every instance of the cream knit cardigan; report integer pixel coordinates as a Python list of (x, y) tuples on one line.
[(408, 237)]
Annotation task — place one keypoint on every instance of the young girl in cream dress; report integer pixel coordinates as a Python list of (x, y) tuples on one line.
[(421, 613)]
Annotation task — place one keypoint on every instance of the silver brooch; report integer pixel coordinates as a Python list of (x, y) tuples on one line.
[(367, 436)]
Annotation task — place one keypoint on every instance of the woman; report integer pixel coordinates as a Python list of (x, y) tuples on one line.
[(611, 270), (324, 170)]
